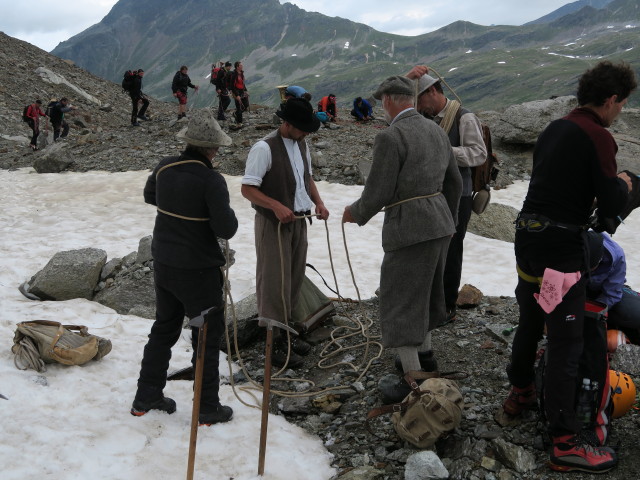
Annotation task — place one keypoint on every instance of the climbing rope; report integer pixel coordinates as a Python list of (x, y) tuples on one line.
[(28, 356)]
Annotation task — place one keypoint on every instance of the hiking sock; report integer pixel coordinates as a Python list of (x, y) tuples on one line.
[(409, 358), (426, 343)]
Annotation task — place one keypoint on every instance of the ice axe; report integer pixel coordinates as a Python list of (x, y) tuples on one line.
[(266, 387), (199, 323)]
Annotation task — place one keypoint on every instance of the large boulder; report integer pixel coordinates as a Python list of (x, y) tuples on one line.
[(131, 291), (523, 123), (496, 222), (52, 160), (70, 274)]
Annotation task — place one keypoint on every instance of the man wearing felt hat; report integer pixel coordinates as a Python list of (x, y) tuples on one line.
[(414, 177), (279, 184), (193, 212), (465, 134)]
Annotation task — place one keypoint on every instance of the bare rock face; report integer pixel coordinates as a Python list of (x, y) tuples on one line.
[(523, 123), (70, 274)]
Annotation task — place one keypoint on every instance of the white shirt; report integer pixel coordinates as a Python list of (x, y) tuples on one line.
[(259, 163)]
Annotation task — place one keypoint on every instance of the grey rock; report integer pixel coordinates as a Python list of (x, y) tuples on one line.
[(52, 160), (627, 359), (129, 292), (144, 250), (363, 473), (523, 123), (69, 274), (496, 222), (425, 465), (111, 268), (514, 456)]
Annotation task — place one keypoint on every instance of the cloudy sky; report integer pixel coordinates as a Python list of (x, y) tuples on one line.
[(45, 23)]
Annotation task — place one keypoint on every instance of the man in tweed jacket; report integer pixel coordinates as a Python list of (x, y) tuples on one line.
[(414, 176)]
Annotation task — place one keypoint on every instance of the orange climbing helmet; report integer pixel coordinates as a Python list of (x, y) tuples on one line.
[(623, 392), (615, 338)]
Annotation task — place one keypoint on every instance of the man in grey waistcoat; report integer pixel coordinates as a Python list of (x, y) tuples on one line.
[(465, 135), (415, 178), (279, 185)]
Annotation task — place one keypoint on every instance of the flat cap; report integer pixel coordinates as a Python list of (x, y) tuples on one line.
[(396, 85)]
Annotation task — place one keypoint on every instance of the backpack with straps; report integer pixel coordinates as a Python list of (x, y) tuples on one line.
[(214, 74), (127, 80), (431, 410), (594, 407), (481, 175), (24, 114), (39, 342)]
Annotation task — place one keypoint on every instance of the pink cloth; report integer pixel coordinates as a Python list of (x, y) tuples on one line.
[(554, 286)]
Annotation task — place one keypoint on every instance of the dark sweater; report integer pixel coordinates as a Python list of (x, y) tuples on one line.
[(191, 190), (573, 164)]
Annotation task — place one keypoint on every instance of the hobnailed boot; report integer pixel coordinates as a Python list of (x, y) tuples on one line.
[(164, 404), (393, 389), (428, 362), (572, 452), (279, 355), (520, 399), (221, 414)]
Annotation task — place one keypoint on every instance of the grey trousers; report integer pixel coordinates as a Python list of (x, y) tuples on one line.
[(276, 292), (412, 292)]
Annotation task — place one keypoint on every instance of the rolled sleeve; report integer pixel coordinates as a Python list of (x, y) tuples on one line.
[(258, 164)]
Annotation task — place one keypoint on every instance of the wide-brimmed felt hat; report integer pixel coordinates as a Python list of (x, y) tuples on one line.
[(299, 113), (425, 82), (204, 131), (395, 85)]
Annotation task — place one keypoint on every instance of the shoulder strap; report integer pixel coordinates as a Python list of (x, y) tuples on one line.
[(450, 113)]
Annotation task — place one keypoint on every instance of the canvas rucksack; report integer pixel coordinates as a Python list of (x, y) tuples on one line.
[(38, 342), (127, 80), (431, 410), (481, 175), (24, 114)]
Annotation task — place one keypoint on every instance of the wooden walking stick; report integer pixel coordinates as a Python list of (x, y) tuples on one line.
[(266, 387), (201, 325)]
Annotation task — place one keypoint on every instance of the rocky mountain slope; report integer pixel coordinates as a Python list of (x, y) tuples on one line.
[(282, 44)]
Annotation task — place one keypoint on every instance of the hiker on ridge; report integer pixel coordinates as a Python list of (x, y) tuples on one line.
[(137, 97), (414, 176), (465, 135), (239, 90), (222, 89), (193, 211), (179, 86), (56, 114), (33, 114), (279, 184), (552, 254)]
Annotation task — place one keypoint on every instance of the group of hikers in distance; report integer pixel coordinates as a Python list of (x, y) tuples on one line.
[(421, 176)]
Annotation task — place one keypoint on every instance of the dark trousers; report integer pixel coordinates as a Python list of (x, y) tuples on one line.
[(223, 104), (36, 131), (181, 292), (57, 127), (565, 337), (241, 106), (453, 266), (135, 113)]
